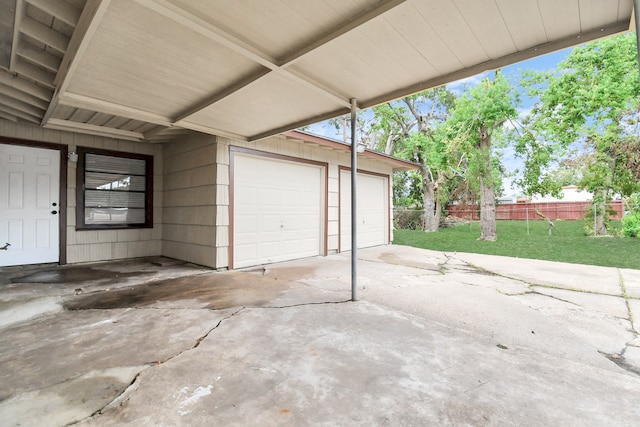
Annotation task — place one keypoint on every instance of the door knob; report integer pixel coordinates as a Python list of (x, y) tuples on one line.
[(54, 212)]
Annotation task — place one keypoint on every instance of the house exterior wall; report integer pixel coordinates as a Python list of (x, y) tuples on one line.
[(191, 194), (99, 245), (190, 205)]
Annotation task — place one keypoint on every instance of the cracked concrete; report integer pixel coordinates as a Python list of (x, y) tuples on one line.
[(437, 339)]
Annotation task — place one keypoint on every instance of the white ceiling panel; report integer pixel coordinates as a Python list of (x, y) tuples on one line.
[(593, 12), (252, 68), (274, 99), (523, 32), (149, 62), (495, 38)]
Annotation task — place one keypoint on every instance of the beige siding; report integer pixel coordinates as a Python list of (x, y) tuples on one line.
[(190, 211), (99, 245)]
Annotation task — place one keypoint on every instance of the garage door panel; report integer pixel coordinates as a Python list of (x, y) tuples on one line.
[(246, 251), (247, 223), (285, 200), (372, 212), (270, 198), (268, 222), (270, 249)]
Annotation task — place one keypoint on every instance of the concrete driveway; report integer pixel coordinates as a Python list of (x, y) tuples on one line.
[(435, 339)]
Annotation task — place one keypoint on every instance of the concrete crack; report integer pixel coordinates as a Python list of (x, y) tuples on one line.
[(132, 387), (621, 361), (203, 337), (626, 301), (118, 400), (481, 270), (302, 304), (554, 297)]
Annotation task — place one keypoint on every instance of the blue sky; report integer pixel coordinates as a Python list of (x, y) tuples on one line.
[(542, 63)]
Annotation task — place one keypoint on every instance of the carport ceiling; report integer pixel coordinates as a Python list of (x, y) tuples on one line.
[(247, 69)]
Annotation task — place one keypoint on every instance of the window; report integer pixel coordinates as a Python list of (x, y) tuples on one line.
[(114, 189)]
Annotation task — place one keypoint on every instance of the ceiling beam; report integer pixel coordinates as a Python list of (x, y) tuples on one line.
[(68, 125), (59, 9), (212, 131), (24, 85), (86, 27), (9, 117), (21, 106), (510, 59), (15, 40), (176, 13), (34, 73), (92, 14), (341, 29), (298, 124), (155, 132), (23, 96), (92, 104), (48, 36), (231, 89), (39, 57), (19, 114), (320, 88)]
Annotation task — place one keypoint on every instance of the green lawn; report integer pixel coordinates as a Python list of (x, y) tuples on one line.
[(567, 243)]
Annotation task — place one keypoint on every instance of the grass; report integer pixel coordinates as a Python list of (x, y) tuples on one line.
[(566, 244)]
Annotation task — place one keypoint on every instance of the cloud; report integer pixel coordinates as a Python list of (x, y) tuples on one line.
[(459, 86)]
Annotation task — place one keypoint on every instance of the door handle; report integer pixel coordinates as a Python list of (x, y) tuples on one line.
[(54, 212)]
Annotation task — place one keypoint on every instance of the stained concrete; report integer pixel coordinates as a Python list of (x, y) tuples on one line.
[(435, 339)]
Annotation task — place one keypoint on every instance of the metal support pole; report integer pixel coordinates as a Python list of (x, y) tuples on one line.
[(354, 225)]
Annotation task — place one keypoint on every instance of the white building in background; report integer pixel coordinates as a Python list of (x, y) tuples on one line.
[(570, 193)]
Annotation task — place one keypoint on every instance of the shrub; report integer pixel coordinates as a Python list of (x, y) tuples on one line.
[(631, 220), (631, 224), (408, 219)]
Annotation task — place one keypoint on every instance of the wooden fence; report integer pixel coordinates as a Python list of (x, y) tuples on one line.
[(515, 211)]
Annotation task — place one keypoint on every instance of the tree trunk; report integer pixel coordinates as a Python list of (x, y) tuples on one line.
[(430, 221), (437, 192), (600, 228), (487, 191), (438, 213)]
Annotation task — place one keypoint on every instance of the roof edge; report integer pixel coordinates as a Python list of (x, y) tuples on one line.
[(398, 164)]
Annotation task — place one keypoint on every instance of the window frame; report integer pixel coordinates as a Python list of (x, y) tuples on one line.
[(80, 189)]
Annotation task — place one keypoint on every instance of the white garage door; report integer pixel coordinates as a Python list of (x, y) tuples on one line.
[(372, 212), (278, 210)]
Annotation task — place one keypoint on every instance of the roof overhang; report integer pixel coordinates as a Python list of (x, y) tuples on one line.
[(150, 69), (397, 164)]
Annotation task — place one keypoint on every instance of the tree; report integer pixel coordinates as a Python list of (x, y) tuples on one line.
[(476, 120), (407, 189), (409, 128), (592, 99)]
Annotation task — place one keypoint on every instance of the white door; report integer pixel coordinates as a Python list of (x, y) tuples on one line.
[(277, 210), (29, 191), (372, 212)]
